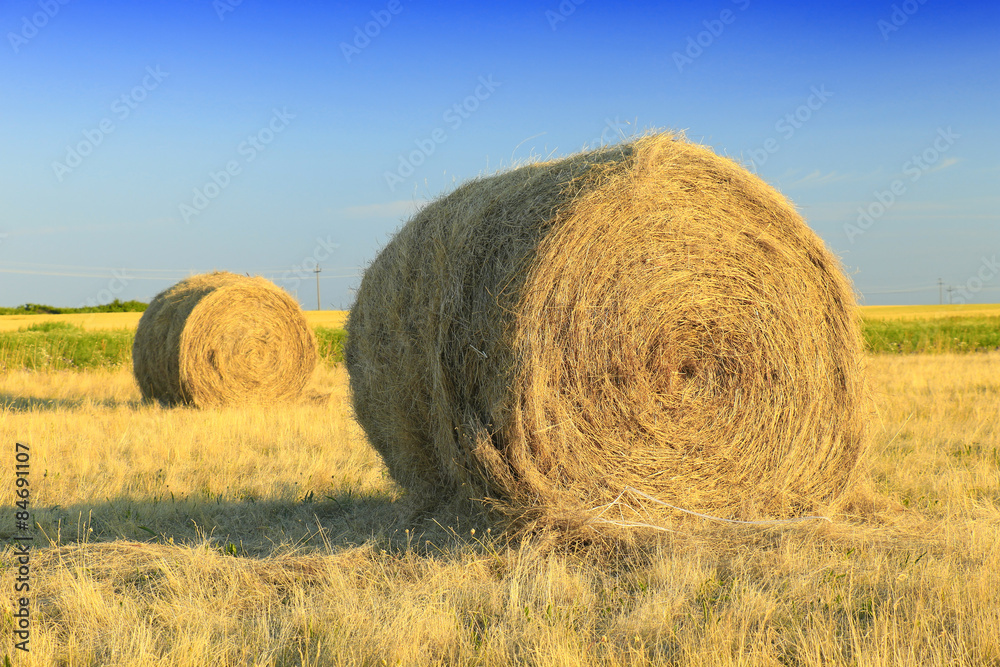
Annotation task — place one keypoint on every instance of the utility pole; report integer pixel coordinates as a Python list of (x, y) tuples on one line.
[(940, 291), (950, 290), (316, 271)]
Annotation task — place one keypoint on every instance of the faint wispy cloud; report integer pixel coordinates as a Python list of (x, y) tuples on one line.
[(816, 178), (945, 212), (944, 164)]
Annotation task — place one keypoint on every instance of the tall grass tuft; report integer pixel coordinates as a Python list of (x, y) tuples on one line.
[(64, 346)]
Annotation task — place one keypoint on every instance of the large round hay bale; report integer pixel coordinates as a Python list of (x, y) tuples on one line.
[(648, 316), (223, 339)]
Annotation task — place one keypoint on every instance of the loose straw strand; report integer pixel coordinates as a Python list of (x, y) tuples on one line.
[(630, 524)]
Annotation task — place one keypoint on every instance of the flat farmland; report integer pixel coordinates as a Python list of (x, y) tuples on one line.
[(275, 537), (102, 321), (104, 340), (929, 312), (336, 318)]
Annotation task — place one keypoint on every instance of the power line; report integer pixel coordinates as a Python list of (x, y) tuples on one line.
[(288, 274), (903, 290), (70, 267), (10, 263), (920, 289)]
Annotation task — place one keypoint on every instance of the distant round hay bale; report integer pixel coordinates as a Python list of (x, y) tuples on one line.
[(223, 339), (647, 316)]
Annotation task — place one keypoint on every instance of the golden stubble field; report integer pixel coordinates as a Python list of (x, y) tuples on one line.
[(336, 318), (274, 537), (90, 321)]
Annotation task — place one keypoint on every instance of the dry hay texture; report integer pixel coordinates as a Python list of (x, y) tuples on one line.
[(222, 339), (648, 315)]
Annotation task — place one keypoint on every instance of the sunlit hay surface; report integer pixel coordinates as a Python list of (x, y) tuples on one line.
[(223, 339), (649, 315), (273, 544)]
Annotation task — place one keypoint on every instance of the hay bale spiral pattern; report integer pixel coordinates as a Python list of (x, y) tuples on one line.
[(649, 315), (223, 339)]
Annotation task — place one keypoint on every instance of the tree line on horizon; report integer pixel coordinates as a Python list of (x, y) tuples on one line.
[(115, 306)]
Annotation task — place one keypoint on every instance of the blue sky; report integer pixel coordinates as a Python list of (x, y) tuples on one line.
[(140, 142)]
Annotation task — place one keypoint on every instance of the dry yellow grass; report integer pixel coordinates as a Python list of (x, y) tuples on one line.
[(275, 544), (334, 319), (89, 321)]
